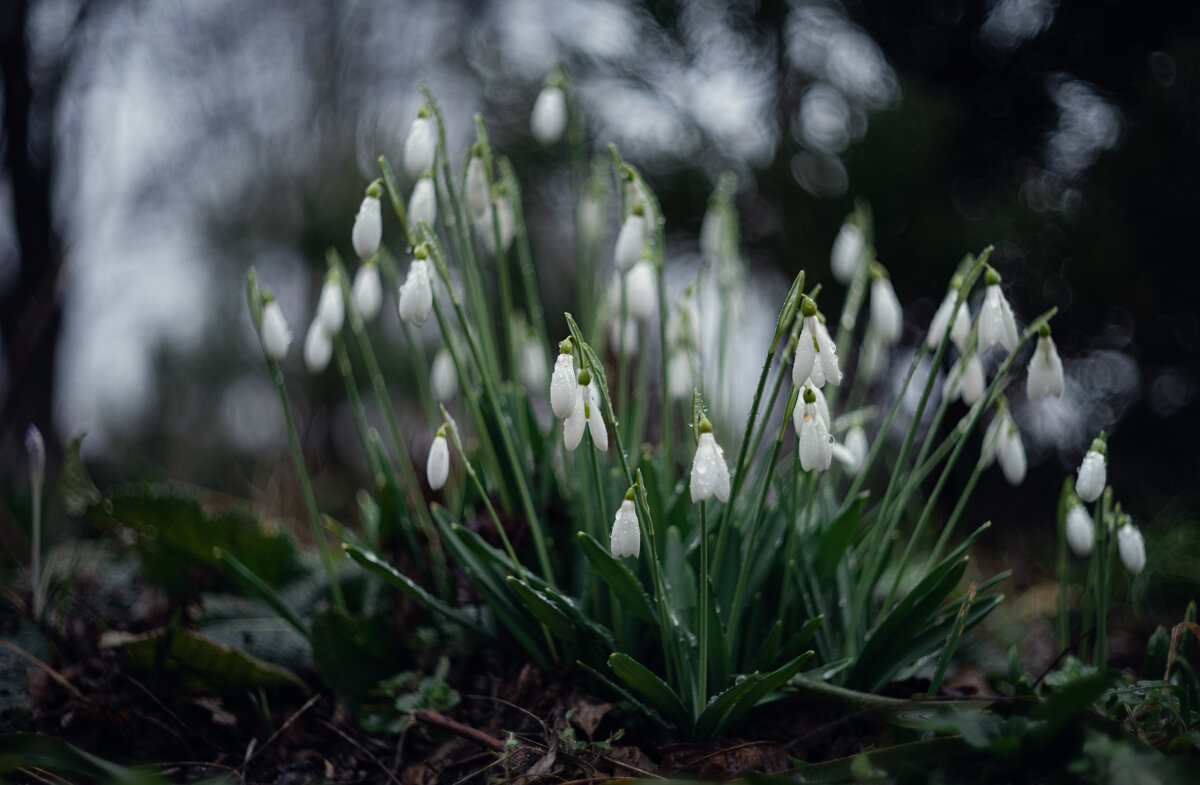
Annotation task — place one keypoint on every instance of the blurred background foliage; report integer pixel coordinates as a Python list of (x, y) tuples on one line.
[(151, 152)]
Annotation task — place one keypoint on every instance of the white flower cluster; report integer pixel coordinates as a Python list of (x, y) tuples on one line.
[(1090, 482)]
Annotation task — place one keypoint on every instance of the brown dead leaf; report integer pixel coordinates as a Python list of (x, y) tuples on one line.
[(219, 715), (587, 715), (631, 761)]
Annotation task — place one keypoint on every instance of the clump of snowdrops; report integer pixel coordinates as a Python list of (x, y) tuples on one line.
[(691, 564)]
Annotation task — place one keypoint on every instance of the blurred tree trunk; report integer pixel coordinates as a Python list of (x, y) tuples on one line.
[(30, 313)]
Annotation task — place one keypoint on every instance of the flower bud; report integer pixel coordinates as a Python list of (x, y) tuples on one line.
[(419, 147), (318, 347), (548, 120), (422, 205), (626, 537), (368, 226), (847, 253), (1132, 548), (443, 377), (563, 387), (437, 467), (416, 295), (368, 291), (35, 449), (630, 241), (886, 314), (1092, 473), (331, 311), (640, 290), (1081, 531), (275, 335), (476, 187), (710, 473)]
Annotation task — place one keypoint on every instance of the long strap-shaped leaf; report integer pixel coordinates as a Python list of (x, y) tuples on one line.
[(656, 691), (732, 704), (619, 578)]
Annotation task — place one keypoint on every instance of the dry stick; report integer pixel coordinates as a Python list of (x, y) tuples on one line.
[(363, 749), (58, 677), (308, 704), (482, 738)]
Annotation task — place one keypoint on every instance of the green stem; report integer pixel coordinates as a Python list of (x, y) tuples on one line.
[(1103, 574), (1064, 568), (342, 358), (702, 604)]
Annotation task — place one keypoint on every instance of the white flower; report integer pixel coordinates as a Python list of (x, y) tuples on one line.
[(437, 468), (331, 311), (710, 474), (476, 186), (996, 322), (640, 290), (548, 120), (594, 421), (816, 354), (585, 410), (422, 205), (822, 405), (1092, 472), (961, 329), (626, 537), (630, 241), (710, 233), (563, 387), (35, 448), (531, 365), (487, 232), (1132, 548), (816, 451), (1081, 531), (847, 253), (1011, 453), (679, 375), (416, 295), (966, 380), (368, 291), (853, 452), (574, 424), (419, 147), (318, 348), (443, 377), (368, 226), (886, 314), (1045, 373), (276, 337)]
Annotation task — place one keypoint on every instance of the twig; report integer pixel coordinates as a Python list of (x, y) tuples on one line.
[(307, 705), (58, 677), (363, 750), (481, 738)]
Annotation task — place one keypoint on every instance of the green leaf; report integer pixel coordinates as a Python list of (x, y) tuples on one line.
[(354, 653), (836, 538), (399, 580), (543, 610), (649, 686), (22, 750), (256, 586), (1071, 699), (619, 579), (645, 710), (201, 665), (75, 486), (756, 694)]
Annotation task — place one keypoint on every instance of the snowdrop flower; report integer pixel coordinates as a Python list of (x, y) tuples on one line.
[(562, 382), (531, 365), (1081, 531), (965, 379), (640, 289), (318, 348), (1045, 373), (847, 253), (1132, 547), (507, 221), (960, 330), (275, 335), (422, 205), (815, 348), (368, 291), (585, 411), (630, 239), (1091, 479), (997, 325), (594, 421), (852, 452), (476, 186), (548, 120), (710, 474), (416, 295), (437, 467), (1010, 450), (35, 448), (679, 375), (419, 146), (331, 311), (626, 536), (443, 376), (887, 316), (816, 451), (368, 224)]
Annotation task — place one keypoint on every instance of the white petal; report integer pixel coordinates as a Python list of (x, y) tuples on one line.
[(1044, 376), (679, 375), (422, 205), (856, 444), (331, 311), (710, 474), (997, 325), (368, 291), (317, 347), (941, 320), (1092, 476), (563, 387), (640, 290), (630, 241), (443, 377), (419, 147), (487, 231), (806, 355), (416, 295), (476, 186), (626, 537), (595, 421), (575, 423), (822, 406), (1132, 548), (886, 314), (548, 120), (961, 330), (1012, 455), (827, 353), (368, 228), (532, 366), (847, 253), (276, 337), (1081, 531), (437, 468)]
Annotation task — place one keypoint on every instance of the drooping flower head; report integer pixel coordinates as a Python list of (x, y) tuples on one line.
[(1045, 373), (630, 239), (847, 254), (476, 185), (965, 378), (640, 289), (997, 325), (368, 290), (816, 451), (531, 365), (506, 219), (887, 317), (275, 335), (422, 205), (563, 386), (626, 537), (1131, 546), (1092, 472), (1002, 442), (710, 474), (420, 145), (35, 450), (1081, 531), (443, 376), (416, 294), (331, 311), (368, 224), (437, 467), (960, 330), (548, 120), (585, 412), (816, 354), (318, 348)]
